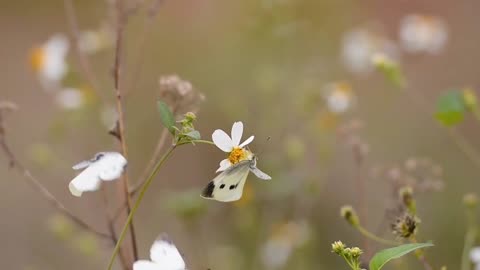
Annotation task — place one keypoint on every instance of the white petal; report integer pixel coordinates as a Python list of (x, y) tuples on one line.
[(247, 141), (237, 131), (475, 255), (224, 164), (87, 180), (222, 140), (145, 265)]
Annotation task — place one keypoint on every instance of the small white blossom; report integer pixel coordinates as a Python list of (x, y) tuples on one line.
[(70, 98), (164, 255), (419, 33), (232, 145), (475, 257), (49, 59), (106, 166), (358, 47), (339, 97)]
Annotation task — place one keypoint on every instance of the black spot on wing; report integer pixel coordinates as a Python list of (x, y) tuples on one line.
[(208, 190), (222, 186)]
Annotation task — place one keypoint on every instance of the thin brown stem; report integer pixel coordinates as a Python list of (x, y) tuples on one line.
[(144, 35), (82, 58), (14, 163), (121, 21), (111, 228)]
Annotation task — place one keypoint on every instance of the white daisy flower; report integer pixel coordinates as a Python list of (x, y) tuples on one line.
[(231, 145), (358, 47), (106, 166), (475, 257), (164, 255), (70, 98), (339, 97), (419, 33), (49, 59)]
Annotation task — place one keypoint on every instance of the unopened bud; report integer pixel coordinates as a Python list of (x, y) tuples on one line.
[(349, 214)]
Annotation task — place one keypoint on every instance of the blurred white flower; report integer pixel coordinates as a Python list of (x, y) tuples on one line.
[(358, 47), (164, 255), (106, 166), (231, 145), (475, 257), (70, 98), (339, 97), (49, 59), (419, 33), (287, 237), (92, 41)]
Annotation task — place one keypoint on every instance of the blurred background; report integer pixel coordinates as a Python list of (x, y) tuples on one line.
[(299, 71)]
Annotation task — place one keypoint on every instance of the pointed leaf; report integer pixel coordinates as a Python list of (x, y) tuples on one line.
[(386, 255), (166, 116)]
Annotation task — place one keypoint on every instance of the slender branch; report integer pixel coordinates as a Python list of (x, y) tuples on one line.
[(111, 227), (82, 58), (137, 204), (373, 237), (421, 256), (37, 185), (121, 21)]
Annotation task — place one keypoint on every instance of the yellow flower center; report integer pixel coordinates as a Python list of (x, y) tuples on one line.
[(37, 58), (238, 154)]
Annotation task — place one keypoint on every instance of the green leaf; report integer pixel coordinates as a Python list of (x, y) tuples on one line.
[(386, 255), (451, 108), (194, 135), (166, 116)]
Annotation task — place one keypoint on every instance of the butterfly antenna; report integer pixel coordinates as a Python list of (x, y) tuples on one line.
[(264, 146)]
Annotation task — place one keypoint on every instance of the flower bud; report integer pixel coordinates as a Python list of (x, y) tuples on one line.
[(349, 214), (338, 247)]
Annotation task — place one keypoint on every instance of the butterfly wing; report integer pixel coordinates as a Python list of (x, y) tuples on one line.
[(165, 255), (81, 165), (146, 265), (258, 173), (87, 180), (228, 185), (110, 165)]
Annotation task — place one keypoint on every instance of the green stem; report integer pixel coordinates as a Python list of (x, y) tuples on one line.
[(470, 237), (137, 204), (198, 141), (372, 236)]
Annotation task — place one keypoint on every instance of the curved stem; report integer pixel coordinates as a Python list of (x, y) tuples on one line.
[(372, 236), (470, 237), (197, 141), (137, 204)]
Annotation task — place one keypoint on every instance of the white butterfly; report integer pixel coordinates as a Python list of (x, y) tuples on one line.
[(164, 255), (106, 166), (228, 185)]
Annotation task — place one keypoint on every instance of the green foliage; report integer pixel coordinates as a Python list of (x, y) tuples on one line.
[(386, 255), (166, 116), (390, 69), (451, 108)]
